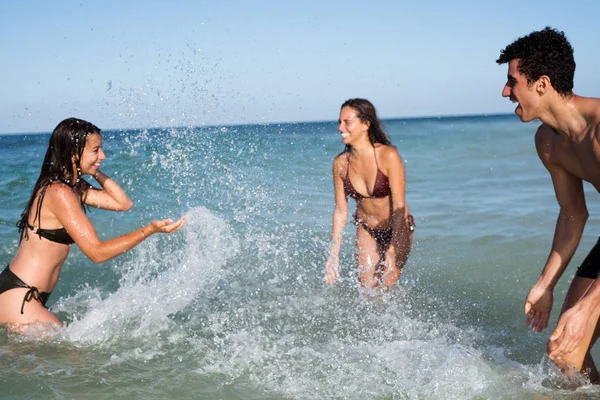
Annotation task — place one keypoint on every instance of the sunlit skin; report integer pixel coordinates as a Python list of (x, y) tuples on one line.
[(93, 157), (38, 261), (376, 212), (568, 144), (518, 90)]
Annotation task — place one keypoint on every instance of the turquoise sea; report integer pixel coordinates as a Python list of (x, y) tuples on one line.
[(234, 306)]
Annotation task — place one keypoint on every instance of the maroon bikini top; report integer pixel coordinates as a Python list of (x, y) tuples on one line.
[(380, 189)]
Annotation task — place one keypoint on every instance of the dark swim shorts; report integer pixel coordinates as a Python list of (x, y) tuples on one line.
[(590, 267)]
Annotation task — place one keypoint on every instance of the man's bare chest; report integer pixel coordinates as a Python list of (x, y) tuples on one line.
[(581, 159)]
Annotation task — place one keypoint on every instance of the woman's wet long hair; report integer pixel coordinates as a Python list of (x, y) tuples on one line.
[(366, 113), (65, 148)]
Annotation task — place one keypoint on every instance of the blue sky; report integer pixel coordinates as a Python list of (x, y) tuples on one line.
[(124, 64)]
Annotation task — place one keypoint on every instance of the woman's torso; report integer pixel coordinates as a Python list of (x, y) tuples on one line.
[(366, 181), (38, 260)]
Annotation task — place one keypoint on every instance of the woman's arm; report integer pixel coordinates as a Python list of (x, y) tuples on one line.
[(110, 197), (65, 205), (340, 217), (400, 245)]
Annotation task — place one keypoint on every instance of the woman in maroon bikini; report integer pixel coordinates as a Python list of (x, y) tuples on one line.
[(370, 171), (54, 219)]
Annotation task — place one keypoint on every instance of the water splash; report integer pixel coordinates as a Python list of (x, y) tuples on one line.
[(159, 283)]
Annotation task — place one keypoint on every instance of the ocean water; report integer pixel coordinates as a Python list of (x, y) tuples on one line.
[(234, 305)]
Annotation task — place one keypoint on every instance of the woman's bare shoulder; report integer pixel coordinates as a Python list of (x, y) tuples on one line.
[(340, 162), (59, 191), (341, 159), (388, 153)]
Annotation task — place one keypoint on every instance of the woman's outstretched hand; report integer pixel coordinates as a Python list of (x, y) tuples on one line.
[(167, 225)]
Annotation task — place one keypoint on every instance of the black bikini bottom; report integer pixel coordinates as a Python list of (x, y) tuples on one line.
[(8, 281), (590, 267)]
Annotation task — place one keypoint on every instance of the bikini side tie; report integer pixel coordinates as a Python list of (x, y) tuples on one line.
[(34, 293)]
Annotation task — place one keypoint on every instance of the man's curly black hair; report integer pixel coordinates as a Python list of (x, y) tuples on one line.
[(546, 52)]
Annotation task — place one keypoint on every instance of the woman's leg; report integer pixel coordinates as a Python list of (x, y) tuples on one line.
[(403, 245), (367, 258), (391, 275), (33, 311)]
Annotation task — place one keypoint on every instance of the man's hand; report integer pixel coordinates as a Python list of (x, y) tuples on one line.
[(571, 328), (538, 305)]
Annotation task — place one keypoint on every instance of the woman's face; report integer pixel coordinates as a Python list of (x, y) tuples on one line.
[(92, 155), (351, 127)]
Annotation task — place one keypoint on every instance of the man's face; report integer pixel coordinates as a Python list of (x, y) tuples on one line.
[(518, 90)]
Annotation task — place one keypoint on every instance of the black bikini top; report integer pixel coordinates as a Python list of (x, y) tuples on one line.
[(53, 235), (60, 235)]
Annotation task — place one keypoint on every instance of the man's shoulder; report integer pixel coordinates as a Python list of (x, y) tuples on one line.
[(545, 133), (591, 104), (544, 142), (590, 107)]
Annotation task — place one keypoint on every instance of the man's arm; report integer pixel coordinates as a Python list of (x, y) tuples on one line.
[(567, 235)]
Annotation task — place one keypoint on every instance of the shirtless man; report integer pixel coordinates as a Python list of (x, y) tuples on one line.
[(540, 78)]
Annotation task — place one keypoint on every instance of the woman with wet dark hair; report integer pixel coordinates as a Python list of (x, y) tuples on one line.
[(370, 171), (54, 218)]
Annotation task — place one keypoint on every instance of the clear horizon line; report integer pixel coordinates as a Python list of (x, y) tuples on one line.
[(235, 124)]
